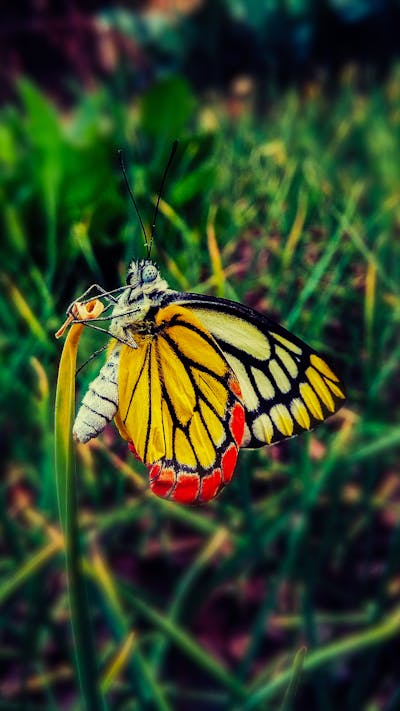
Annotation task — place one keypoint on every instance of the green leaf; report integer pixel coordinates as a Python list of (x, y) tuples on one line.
[(44, 123), (192, 184), (166, 109)]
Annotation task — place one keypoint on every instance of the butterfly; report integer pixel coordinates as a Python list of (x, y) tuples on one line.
[(190, 379)]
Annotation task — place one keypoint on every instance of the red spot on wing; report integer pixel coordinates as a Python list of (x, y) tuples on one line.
[(210, 485), (237, 422), (161, 480), (228, 463), (154, 470), (187, 488)]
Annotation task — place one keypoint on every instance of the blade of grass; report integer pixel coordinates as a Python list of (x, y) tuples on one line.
[(387, 441), (352, 644), (322, 265), (117, 664), (22, 307), (369, 255), (146, 684), (295, 680), (214, 252), (182, 640), (84, 648), (296, 230), (27, 570), (186, 583), (369, 312)]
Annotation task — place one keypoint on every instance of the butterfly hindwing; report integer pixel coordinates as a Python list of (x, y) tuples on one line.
[(286, 386), (180, 406)]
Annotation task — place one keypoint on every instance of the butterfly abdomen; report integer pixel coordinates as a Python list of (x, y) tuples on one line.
[(100, 402)]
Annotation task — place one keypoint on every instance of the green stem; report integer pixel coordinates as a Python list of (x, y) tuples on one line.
[(84, 648)]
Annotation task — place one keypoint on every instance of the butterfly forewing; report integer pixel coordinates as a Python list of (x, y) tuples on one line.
[(286, 386), (180, 405)]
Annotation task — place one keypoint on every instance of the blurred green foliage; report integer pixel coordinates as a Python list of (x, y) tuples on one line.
[(303, 547)]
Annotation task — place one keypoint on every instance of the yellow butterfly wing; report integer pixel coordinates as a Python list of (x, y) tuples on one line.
[(180, 406), (286, 386)]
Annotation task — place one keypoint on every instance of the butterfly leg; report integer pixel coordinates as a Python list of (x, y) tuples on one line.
[(91, 357), (89, 323)]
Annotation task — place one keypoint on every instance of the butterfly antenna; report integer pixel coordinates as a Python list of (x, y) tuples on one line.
[(167, 167), (130, 191)]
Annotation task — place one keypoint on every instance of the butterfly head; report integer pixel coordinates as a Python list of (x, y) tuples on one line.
[(142, 273), (144, 279)]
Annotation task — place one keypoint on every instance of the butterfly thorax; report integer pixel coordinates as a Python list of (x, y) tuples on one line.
[(137, 305)]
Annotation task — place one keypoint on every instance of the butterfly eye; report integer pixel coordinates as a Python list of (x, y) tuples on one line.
[(149, 273)]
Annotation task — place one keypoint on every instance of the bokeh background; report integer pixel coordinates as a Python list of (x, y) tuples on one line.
[(284, 593)]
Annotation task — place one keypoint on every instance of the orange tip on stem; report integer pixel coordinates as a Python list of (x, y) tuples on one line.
[(81, 312)]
